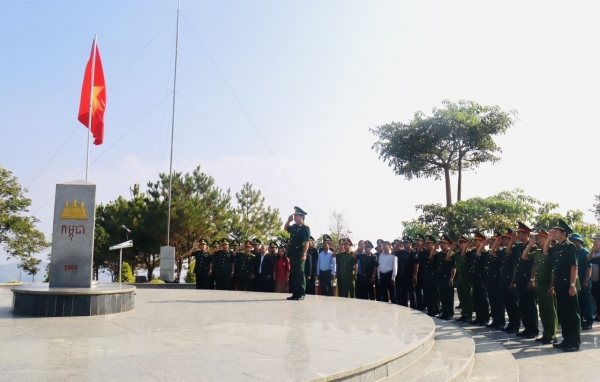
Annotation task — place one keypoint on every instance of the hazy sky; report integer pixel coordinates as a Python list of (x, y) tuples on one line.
[(313, 76)]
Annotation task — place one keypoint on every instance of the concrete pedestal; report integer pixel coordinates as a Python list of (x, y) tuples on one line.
[(98, 300)]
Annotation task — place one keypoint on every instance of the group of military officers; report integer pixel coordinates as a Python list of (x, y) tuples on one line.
[(226, 265), (513, 272)]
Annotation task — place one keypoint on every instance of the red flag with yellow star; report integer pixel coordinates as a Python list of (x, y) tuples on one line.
[(98, 96)]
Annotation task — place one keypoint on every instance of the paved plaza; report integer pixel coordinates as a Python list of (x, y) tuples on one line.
[(189, 335)]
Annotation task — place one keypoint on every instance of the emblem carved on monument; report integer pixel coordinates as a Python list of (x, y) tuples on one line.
[(74, 211)]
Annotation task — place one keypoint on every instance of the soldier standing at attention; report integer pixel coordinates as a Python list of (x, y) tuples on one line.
[(432, 302), (367, 265), (203, 263), (492, 284), (408, 267), (223, 266), (566, 285), (422, 255), (360, 254), (244, 262), (522, 277), (235, 245), (346, 270), (256, 244), (299, 243), (378, 251), (507, 270), (585, 278), (541, 274), (463, 281), (480, 300), (446, 274), (314, 257)]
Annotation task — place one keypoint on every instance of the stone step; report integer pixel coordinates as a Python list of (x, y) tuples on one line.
[(450, 358), (493, 362)]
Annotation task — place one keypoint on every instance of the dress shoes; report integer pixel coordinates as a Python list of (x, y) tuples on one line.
[(291, 298), (461, 318), (530, 336), (548, 342), (466, 320), (473, 322), (300, 298), (586, 326), (540, 339), (560, 345), (597, 319), (499, 327), (571, 348), (522, 333), (511, 331), (491, 325)]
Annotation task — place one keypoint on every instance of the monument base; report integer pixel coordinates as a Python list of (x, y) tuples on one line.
[(101, 299)]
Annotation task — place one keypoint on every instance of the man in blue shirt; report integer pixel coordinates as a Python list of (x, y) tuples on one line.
[(326, 267), (584, 272)]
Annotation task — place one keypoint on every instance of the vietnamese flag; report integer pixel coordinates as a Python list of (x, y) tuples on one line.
[(97, 94)]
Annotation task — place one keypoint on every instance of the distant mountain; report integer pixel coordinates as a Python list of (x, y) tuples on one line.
[(10, 272)]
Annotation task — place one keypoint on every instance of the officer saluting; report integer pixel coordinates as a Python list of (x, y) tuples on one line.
[(203, 263), (299, 243)]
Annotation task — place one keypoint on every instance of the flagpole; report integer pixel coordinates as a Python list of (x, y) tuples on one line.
[(87, 160), (173, 126)]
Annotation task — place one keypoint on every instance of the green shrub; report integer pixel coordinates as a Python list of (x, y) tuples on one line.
[(126, 274), (190, 276), (156, 281), (14, 282)]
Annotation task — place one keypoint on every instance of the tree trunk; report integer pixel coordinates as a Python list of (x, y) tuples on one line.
[(448, 187), (150, 272), (459, 190)]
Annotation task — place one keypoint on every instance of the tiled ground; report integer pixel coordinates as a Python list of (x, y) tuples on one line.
[(543, 363), (178, 335)]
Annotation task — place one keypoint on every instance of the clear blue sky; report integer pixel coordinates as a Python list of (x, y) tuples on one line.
[(313, 76)]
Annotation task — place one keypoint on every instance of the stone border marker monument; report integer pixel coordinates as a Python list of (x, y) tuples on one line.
[(71, 291)]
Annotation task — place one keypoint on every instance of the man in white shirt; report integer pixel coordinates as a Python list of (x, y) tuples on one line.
[(386, 271)]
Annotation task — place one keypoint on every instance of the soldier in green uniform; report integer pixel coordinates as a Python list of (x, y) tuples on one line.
[(235, 245), (314, 254), (478, 257), (223, 266), (525, 290), (566, 285), (203, 263), (463, 281), (446, 274), (256, 243), (299, 243), (541, 274), (244, 261), (422, 255), (346, 270), (507, 270), (432, 296), (492, 284)]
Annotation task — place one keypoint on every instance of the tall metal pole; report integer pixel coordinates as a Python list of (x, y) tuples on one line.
[(173, 126), (87, 160)]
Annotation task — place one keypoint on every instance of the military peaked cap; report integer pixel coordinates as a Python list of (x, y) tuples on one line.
[(478, 236), (272, 244), (430, 239), (326, 237), (563, 226), (310, 238), (542, 232), (368, 244), (203, 241), (225, 241), (419, 237), (379, 241), (235, 242), (523, 228), (508, 232), (299, 211), (256, 241), (446, 239), (248, 243), (407, 239), (463, 239)]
